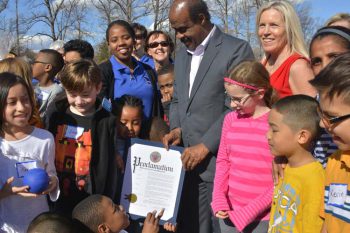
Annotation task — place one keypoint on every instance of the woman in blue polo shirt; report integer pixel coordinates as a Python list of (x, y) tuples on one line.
[(123, 74)]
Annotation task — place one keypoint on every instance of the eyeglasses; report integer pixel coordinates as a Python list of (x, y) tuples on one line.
[(156, 44), (139, 37), (238, 100), (167, 85), (329, 121)]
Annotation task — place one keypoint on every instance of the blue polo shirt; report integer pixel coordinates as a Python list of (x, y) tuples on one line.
[(137, 84), (148, 60)]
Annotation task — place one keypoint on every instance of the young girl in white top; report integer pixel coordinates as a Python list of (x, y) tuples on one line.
[(22, 147)]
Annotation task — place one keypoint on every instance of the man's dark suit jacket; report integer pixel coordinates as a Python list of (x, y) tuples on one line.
[(200, 116)]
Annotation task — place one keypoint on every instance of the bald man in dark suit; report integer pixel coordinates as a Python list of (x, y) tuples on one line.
[(198, 107)]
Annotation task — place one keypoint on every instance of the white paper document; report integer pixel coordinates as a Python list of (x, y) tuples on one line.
[(152, 181)]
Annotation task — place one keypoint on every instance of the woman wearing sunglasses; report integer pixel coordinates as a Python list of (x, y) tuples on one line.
[(159, 46), (124, 75)]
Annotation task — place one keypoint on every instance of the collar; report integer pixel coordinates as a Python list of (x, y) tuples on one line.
[(145, 57), (201, 48), (345, 158), (120, 66)]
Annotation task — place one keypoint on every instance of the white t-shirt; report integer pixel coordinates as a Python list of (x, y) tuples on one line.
[(38, 148)]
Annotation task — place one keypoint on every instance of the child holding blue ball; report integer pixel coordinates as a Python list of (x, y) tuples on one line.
[(22, 147)]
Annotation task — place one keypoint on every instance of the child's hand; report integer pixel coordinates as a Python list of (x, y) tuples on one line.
[(8, 190), (166, 98), (221, 214), (52, 185), (151, 223), (278, 166), (170, 227)]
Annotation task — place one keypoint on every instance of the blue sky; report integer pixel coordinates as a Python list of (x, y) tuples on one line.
[(324, 9)]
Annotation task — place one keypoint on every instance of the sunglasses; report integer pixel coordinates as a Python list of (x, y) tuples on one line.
[(329, 121), (156, 44)]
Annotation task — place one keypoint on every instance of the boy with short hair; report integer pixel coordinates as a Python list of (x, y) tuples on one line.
[(48, 222), (333, 85), (47, 64), (100, 214), (166, 87), (77, 49), (293, 128), (84, 136)]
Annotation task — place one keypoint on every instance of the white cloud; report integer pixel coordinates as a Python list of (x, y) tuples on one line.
[(36, 42)]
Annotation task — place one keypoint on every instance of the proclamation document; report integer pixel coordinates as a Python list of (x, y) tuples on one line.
[(153, 180)]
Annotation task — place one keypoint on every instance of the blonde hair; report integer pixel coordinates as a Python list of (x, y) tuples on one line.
[(18, 67), (338, 17), (295, 37), (22, 69)]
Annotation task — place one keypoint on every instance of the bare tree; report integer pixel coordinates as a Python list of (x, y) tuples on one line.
[(76, 11), (132, 10), (16, 28), (61, 17), (308, 23), (160, 10), (129, 10), (3, 5), (222, 9), (106, 8), (236, 17)]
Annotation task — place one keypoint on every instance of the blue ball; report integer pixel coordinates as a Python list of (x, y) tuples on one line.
[(37, 179)]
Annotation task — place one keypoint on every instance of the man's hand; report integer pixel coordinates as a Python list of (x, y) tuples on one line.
[(173, 138), (221, 214), (278, 165), (194, 155), (151, 223)]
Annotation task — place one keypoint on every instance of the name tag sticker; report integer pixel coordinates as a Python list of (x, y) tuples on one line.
[(337, 194), (74, 132), (106, 104), (23, 167)]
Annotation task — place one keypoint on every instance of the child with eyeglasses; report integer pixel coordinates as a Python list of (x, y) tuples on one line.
[(243, 180), (333, 85), (45, 68)]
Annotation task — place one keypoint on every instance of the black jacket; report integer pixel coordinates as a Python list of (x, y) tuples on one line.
[(103, 170)]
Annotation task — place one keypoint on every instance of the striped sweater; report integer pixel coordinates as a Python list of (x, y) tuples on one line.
[(243, 183)]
